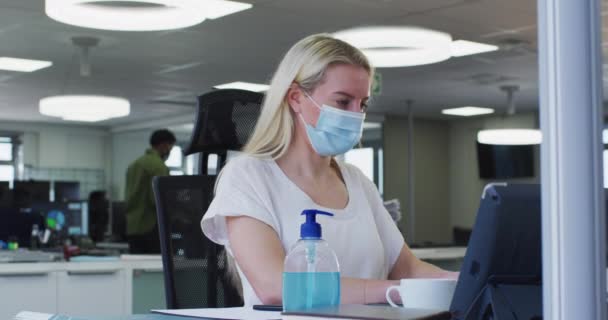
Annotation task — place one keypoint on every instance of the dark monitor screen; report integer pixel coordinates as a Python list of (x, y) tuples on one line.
[(67, 191), (6, 196), (505, 161), (15, 223), (67, 219), (26, 193), (505, 243)]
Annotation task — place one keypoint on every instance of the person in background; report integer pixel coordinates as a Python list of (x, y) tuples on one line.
[(142, 229), (313, 111)]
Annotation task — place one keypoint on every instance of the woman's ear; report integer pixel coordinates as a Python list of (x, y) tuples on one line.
[(294, 97)]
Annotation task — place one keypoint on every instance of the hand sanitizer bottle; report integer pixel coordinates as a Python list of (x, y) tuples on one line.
[(311, 276)]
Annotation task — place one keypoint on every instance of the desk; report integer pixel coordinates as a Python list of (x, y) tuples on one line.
[(151, 316), (449, 258), (442, 253), (132, 284)]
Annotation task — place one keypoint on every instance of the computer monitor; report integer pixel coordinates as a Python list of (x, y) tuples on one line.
[(505, 247), (78, 221), (26, 193), (6, 195), (66, 219), (66, 191), (15, 223)]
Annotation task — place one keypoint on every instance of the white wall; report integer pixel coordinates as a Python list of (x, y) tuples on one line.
[(431, 176), (61, 146), (126, 147), (465, 184)]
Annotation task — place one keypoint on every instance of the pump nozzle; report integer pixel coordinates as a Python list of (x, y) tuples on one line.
[(310, 228)]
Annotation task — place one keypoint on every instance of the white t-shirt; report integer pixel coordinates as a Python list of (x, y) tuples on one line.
[(363, 235)]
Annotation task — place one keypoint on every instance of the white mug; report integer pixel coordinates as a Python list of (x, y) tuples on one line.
[(424, 293)]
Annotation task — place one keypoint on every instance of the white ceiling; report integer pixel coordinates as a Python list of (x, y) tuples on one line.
[(162, 72)]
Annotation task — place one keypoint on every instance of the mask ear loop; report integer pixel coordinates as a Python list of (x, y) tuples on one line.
[(311, 99), (302, 118), (306, 125), (314, 102)]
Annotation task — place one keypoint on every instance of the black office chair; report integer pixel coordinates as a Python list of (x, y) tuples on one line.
[(225, 120), (195, 269), (99, 214), (119, 221)]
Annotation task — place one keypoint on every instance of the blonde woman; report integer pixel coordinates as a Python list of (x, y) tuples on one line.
[(314, 110)]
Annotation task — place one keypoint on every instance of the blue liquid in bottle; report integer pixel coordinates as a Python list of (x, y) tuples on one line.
[(307, 290), (311, 274)]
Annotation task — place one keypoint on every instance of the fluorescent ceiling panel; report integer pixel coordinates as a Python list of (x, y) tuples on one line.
[(255, 87), (23, 65)]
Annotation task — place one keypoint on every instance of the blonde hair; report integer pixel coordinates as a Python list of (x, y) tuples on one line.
[(305, 63)]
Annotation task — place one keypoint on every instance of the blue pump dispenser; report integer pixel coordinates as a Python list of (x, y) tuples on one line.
[(311, 276), (311, 229)]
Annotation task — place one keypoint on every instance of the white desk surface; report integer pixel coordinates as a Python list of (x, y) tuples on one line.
[(150, 263), (440, 253)]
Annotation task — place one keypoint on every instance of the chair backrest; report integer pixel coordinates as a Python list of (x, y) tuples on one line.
[(119, 220), (225, 120), (195, 269)]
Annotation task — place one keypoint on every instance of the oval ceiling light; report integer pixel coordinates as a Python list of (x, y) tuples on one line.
[(86, 108), (399, 46), (141, 15), (467, 111), (510, 136)]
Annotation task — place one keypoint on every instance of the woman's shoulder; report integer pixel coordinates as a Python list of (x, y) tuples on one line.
[(245, 159), (245, 164)]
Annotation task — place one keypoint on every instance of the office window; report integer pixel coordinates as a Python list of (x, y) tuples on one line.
[(7, 159), (212, 164), (175, 159), (7, 172), (6, 150), (605, 168), (368, 157), (380, 170), (191, 164), (362, 158)]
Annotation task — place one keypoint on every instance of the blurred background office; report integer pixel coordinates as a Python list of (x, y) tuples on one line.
[(161, 73), (425, 141)]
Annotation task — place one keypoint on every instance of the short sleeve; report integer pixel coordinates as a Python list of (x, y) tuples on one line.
[(391, 237), (240, 191)]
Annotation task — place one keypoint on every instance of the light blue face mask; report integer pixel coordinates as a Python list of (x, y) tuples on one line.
[(336, 132)]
